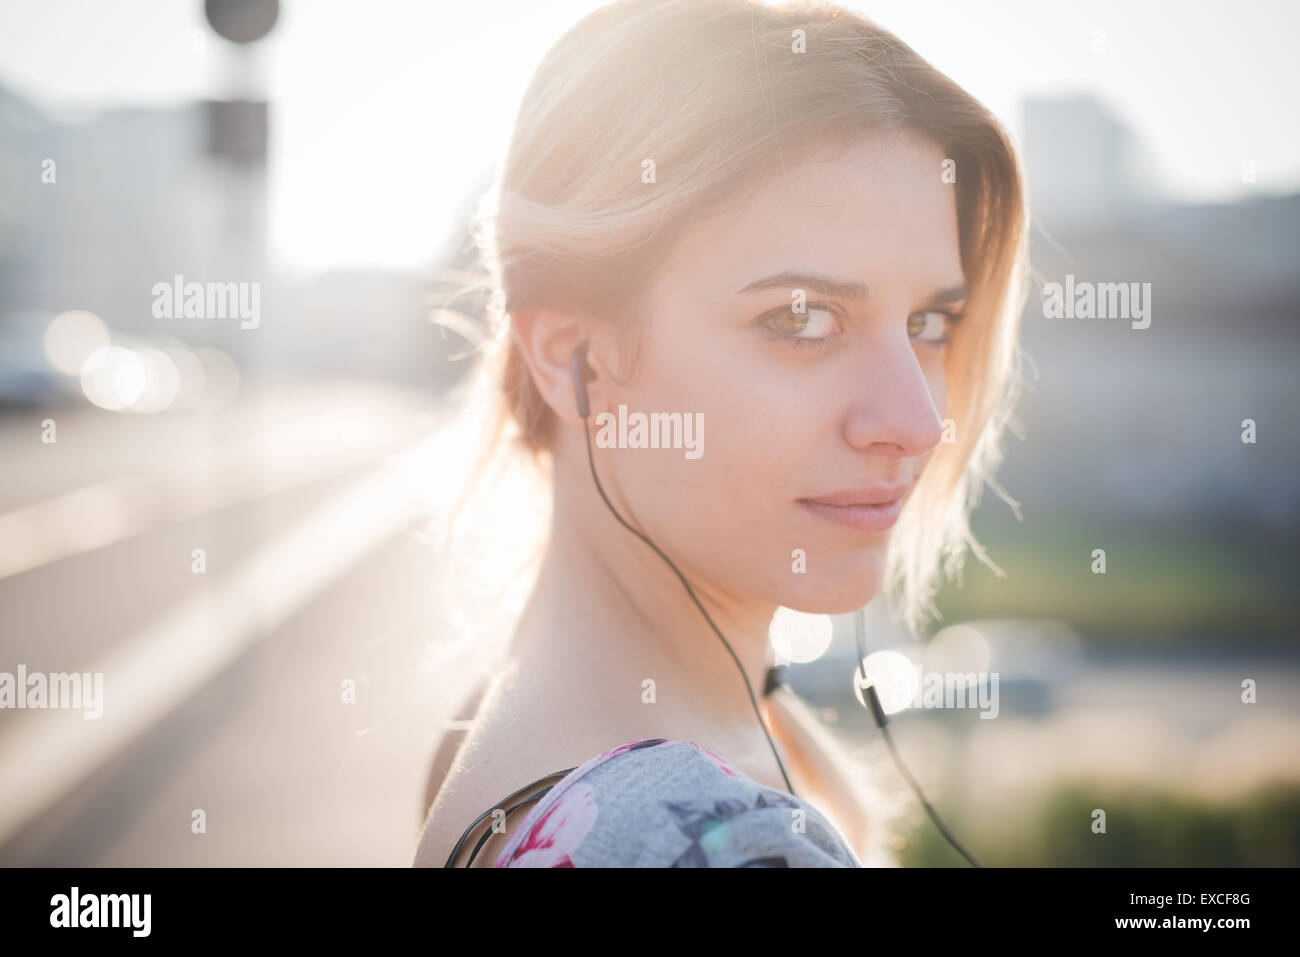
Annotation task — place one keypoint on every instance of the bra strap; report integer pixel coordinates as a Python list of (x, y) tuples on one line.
[(455, 851)]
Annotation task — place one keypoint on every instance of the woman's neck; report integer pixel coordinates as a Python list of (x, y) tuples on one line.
[(607, 609)]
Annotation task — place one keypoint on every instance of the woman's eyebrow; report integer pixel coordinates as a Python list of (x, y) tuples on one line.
[(951, 294), (841, 288)]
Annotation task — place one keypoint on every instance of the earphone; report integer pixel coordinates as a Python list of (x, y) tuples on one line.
[(581, 373)]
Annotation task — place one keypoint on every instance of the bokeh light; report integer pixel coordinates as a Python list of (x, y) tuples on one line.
[(220, 380), (72, 337), (960, 652), (800, 637), (113, 377), (894, 676), (162, 382)]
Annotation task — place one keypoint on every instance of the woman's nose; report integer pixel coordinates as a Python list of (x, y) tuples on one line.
[(893, 409)]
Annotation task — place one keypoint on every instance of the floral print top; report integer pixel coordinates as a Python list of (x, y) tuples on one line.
[(662, 803)]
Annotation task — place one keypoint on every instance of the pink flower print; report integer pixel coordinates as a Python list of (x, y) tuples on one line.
[(556, 833), (630, 746), (715, 758)]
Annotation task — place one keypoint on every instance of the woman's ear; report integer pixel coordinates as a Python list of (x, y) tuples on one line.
[(547, 339)]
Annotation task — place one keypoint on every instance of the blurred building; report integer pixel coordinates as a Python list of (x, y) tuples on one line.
[(140, 196), (1147, 422), (137, 197), (1090, 166)]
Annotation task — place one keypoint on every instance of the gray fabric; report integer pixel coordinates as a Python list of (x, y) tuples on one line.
[(659, 803)]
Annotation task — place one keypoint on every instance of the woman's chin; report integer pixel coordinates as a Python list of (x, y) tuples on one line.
[(831, 607), (840, 597)]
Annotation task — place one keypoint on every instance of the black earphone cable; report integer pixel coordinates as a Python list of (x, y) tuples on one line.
[(580, 373), (504, 817), (478, 820), (586, 432), (878, 714)]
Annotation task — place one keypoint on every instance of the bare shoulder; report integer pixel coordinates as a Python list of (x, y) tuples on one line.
[(477, 786), (502, 752), (464, 780), (449, 745)]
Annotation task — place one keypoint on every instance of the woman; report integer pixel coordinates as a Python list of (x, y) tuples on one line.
[(796, 250)]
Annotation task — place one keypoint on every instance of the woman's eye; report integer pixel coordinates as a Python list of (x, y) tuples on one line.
[(815, 322), (930, 326)]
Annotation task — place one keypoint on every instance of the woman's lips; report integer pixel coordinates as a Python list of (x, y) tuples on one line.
[(862, 518)]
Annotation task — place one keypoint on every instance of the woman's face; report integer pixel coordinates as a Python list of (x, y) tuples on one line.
[(807, 416)]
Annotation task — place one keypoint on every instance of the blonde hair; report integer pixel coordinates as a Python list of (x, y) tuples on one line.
[(716, 92)]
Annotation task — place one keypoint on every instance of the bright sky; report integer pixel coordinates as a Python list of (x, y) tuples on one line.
[(388, 113)]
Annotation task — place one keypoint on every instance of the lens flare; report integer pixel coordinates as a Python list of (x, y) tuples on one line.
[(800, 637)]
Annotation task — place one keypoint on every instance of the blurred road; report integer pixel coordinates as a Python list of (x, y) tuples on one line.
[(224, 690), (308, 505)]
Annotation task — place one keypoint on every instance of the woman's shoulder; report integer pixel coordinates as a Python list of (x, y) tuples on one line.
[(661, 802)]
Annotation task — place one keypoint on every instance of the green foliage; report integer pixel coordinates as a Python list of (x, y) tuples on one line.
[(1143, 829), (1160, 581)]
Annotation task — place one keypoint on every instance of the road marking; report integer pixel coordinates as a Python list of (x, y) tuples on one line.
[(157, 669)]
